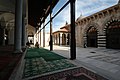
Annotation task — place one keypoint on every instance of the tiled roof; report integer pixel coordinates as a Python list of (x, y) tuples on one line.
[(62, 30)]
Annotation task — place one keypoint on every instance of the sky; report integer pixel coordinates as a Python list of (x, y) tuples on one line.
[(83, 7)]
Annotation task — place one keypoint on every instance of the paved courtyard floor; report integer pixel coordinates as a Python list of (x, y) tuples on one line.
[(105, 62)]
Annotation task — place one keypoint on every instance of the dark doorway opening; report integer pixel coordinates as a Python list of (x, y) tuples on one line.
[(113, 35), (92, 37)]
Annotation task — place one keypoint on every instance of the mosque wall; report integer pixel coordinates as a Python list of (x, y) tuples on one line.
[(97, 24)]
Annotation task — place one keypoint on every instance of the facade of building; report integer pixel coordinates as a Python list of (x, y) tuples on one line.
[(101, 29), (62, 36)]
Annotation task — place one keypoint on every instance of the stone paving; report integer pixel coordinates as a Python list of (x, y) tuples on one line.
[(105, 62), (110, 56)]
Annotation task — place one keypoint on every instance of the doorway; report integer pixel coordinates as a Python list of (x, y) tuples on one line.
[(92, 37), (113, 35)]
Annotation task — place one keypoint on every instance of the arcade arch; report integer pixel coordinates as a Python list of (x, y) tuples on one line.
[(113, 34), (92, 37)]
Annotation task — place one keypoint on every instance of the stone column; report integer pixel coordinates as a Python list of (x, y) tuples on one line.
[(18, 26), (24, 22), (51, 41), (23, 32), (66, 38), (3, 37), (59, 39), (44, 34), (73, 41), (11, 37), (40, 38)]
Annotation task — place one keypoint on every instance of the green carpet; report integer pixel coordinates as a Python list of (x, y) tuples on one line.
[(44, 53), (39, 61)]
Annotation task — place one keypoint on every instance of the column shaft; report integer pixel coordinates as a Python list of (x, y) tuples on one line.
[(4, 37), (40, 38), (59, 39), (23, 33), (73, 41), (43, 35), (18, 26), (51, 41)]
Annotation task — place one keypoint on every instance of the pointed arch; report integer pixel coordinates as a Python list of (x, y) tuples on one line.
[(91, 35), (112, 31), (89, 25)]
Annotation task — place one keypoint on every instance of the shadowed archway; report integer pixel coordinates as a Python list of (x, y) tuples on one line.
[(113, 35), (92, 37)]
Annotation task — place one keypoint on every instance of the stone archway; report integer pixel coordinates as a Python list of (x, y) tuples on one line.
[(31, 37), (92, 37), (85, 31), (113, 35)]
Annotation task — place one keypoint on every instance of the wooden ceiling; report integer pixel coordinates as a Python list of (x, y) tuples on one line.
[(38, 9)]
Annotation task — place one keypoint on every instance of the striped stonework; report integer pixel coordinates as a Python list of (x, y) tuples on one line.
[(101, 21), (102, 38), (102, 41), (86, 31)]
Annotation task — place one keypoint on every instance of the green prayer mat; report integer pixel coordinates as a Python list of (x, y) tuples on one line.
[(39, 61), (44, 53)]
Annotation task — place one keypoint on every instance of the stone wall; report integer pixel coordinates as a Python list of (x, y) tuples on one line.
[(99, 20)]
